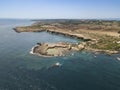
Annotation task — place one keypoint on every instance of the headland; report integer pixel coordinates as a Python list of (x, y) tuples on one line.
[(98, 36)]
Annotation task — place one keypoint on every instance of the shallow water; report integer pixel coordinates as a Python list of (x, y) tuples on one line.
[(20, 70)]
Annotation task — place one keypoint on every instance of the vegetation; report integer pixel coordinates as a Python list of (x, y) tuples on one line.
[(99, 30), (106, 43), (119, 32)]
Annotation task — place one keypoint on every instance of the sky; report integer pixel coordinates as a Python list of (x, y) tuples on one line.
[(59, 9)]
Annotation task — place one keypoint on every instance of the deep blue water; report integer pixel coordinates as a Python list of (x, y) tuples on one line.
[(20, 70)]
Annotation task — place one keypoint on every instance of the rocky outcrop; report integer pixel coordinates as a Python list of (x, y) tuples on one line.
[(52, 30), (56, 49), (96, 40), (28, 29)]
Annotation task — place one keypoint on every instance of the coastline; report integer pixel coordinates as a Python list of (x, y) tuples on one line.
[(73, 35), (56, 49), (96, 40), (108, 52)]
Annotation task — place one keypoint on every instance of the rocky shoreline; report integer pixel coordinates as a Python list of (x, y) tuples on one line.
[(56, 49), (65, 33), (62, 48), (96, 35)]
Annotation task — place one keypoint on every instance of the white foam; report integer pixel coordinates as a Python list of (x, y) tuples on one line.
[(31, 51)]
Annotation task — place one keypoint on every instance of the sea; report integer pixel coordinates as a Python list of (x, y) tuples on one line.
[(20, 70)]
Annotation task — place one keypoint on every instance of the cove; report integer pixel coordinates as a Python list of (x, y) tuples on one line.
[(21, 70)]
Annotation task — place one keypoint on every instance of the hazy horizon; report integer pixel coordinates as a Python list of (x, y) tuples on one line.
[(60, 9)]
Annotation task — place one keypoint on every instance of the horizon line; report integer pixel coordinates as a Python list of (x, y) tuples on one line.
[(61, 18)]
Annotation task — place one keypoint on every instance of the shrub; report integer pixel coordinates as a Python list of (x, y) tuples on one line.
[(119, 32)]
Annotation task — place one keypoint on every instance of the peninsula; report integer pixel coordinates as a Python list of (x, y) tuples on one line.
[(98, 35)]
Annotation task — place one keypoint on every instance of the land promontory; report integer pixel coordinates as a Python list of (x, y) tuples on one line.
[(98, 35)]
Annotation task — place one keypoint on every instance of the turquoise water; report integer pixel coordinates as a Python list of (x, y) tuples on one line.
[(20, 70)]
